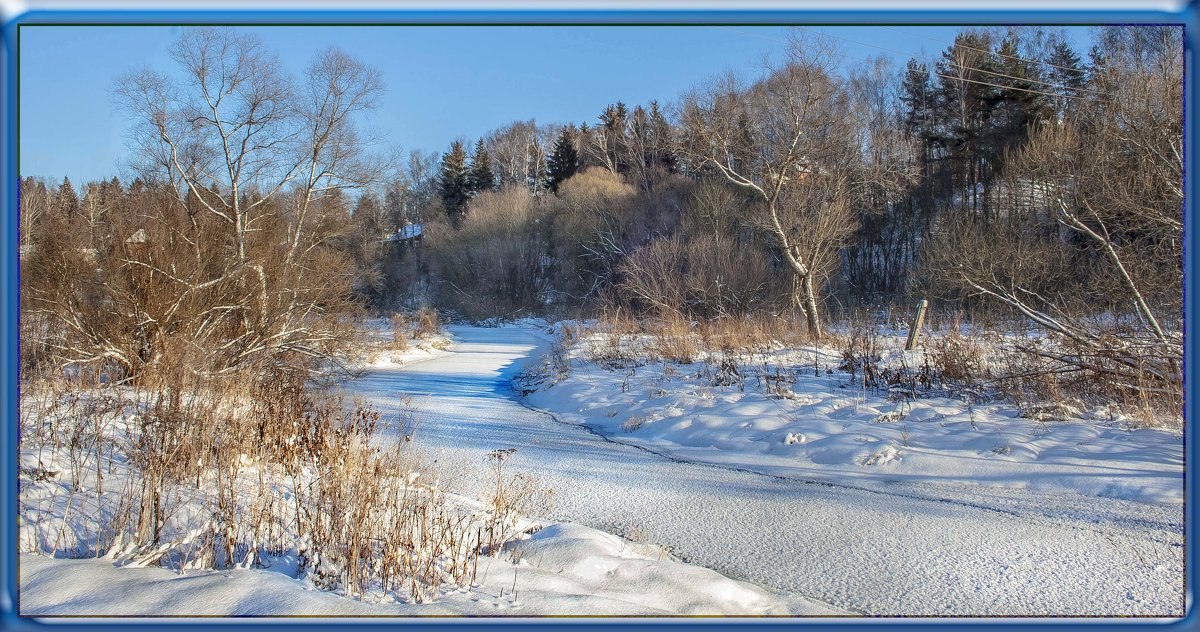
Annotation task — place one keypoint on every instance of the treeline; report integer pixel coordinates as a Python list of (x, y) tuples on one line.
[(1009, 174), (857, 185)]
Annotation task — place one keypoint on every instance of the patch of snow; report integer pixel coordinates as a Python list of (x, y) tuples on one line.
[(563, 569)]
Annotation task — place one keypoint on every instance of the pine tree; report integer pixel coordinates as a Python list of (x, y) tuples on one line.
[(662, 140), (583, 140), (613, 130), (917, 96), (564, 160), (454, 182), (110, 192), (1020, 104), (1066, 73), (919, 101), (481, 178), (68, 200), (966, 100)]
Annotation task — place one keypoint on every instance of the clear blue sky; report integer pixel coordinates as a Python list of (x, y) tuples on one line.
[(442, 82)]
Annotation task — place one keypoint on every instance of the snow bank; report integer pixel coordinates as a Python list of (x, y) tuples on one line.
[(564, 569), (822, 427)]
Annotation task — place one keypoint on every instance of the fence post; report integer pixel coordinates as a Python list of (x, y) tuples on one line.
[(915, 329)]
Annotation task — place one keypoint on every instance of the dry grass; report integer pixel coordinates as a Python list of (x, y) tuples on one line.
[(754, 334), (674, 340), (619, 341), (633, 424), (212, 472), (400, 331), (428, 323)]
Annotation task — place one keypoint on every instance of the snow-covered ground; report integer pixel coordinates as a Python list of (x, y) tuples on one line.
[(552, 568), (878, 538), (563, 569), (822, 426), (883, 548)]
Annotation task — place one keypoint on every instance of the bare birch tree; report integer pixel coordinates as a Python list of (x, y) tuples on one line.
[(788, 140), (257, 162)]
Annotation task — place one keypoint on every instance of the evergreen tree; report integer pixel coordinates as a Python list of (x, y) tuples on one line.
[(481, 178), (917, 96), (583, 140), (1097, 62), (454, 184), (564, 160), (1020, 103), (68, 200), (1065, 71), (966, 99), (662, 139), (613, 125), (110, 192)]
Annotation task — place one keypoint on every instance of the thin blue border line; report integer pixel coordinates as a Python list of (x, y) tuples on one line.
[(9, 299), (1191, 263), (598, 16)]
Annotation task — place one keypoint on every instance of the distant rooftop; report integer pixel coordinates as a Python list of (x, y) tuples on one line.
[(408, 232)]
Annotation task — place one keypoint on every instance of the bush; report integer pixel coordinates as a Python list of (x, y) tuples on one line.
[(705, 277), (493, 265), (428, 323)]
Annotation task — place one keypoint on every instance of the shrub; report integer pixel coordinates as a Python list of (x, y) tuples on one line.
[(428, 323), (672, 339)]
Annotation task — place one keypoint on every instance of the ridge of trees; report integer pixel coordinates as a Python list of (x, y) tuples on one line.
[(1006, 174)]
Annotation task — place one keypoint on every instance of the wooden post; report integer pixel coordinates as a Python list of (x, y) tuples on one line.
[(915, 330)]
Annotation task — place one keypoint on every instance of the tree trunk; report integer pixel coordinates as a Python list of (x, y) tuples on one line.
[(810, 307)]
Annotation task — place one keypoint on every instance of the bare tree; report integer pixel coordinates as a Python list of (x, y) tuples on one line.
[(788, 140), (518, 153), (34, 204), (258, 162), (1102, 222)]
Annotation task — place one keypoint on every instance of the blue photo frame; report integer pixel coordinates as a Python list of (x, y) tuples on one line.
[(559, 12)]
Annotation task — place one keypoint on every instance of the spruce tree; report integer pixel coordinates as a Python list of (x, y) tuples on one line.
[(1021, 104), (68, 200), (614, 122), (482, 178), (564, 160), (454, 182), (1066, 72), (663, 137), (966, 101), (918, 98)]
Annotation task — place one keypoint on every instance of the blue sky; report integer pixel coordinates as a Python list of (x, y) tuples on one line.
[(442, 82)]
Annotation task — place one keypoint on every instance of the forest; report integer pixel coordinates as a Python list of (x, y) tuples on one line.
[(1010, 181)]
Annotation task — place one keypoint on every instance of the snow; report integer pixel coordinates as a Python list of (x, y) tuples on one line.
[(563, 569), (718, 517), (825, 428), (922, 546), (382, 354), (407, 232)]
